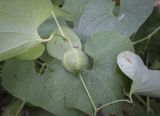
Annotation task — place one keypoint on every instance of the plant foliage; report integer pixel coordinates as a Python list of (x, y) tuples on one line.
[(35, 35)]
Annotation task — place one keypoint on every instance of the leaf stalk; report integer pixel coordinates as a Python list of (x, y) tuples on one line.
[(60, 29), (20, 108), (89, 95), (147, 37)]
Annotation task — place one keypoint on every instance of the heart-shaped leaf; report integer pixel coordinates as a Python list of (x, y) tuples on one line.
[(145, 81), (104, 83), (59, 45), (22, 81), (98, 16), (18, 25)]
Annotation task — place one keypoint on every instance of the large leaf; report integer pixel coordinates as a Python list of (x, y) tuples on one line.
[(98, 16), (18, 25), (22, 81), (145, 81), (103, 81)]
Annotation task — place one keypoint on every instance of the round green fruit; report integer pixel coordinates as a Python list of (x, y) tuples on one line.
[(75, 60)]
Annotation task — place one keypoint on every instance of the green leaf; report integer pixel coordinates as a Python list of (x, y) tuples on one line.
[(103, 81), (56, 84), (59, 45), (14, 109), (39, 112), (18, 25), (49, 26), (98, 16), (145, 81), (21, 80), (75, 8), (32, 53)]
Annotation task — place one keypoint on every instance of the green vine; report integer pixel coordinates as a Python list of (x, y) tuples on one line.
[(96, 109), (148, 37), (20, 108)]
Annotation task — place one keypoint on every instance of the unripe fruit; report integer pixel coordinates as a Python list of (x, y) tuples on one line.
[(75, 60)]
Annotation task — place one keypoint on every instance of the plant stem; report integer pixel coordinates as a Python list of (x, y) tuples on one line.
[(122, 100), (95, 112), (46, 40), (143, 102), (89, 95), (42, 68), (60, 29), (20, 108), (148, 36), (55, 18), (148, 104)]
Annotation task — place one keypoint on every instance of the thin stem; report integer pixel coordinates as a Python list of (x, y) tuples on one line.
[(55, 18), (148, 104), (20, 108), (60, 36), (140, 99), (64, 38), (123, 100), (89, 95), (46, 40), (42, 68), (146, 46), (60, 29), (117, 101), (141, 40), (143, 102), (95, 112), (148, 36), (127, 94)]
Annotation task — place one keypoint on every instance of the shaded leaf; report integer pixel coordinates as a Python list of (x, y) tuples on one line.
[(13, 109), (151, 46), (39, 112), (21, 80)]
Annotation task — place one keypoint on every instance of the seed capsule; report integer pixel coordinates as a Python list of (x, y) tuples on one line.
[(75, 60)]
